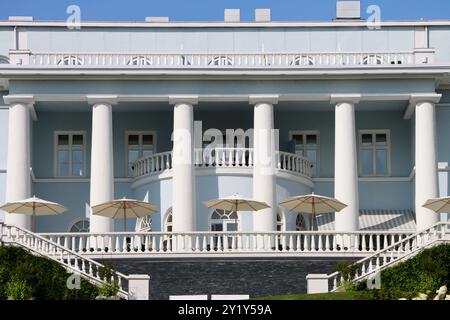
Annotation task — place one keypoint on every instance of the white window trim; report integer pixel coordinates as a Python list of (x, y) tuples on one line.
[(388, 139), (76, 220), (140, 133), (293, 133), (55, 154), (283, 219), (166, 217), (211, 221)]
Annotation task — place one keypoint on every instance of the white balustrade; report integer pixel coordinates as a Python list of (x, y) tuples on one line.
[(222, 60), (160, 243), (63, 249), (391, 249), (222, 158)]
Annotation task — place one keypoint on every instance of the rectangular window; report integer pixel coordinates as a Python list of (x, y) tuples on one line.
[(374, 152), (139, 144), (70, 154), (307, 145)]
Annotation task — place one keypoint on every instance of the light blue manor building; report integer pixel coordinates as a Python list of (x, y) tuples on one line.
[(362, 113)]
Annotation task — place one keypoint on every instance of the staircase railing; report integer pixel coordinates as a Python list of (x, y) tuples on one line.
[(70, 260), (394, 253)]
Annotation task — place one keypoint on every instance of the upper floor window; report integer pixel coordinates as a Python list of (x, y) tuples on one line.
[(4, 60), (70, 154), (139, 144), (374, 152), (306, 144)]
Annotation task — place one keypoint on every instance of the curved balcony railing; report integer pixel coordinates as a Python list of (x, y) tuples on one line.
[(222, 60), (222, 158)]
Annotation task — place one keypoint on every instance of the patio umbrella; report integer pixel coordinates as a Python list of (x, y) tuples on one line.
[(124, 209), (439, 205), (313, 204), (236, 203), (35, 207)]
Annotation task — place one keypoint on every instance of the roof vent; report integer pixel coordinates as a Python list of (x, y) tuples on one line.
[(156, 19), (232, 15), (20, 18), (349, 9), (263, 15)]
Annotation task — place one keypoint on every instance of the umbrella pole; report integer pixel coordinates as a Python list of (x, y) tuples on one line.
[(313, 215), (33, 226), (124, 219)]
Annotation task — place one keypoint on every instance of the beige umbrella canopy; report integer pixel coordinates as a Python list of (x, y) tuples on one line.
[(313, 204), (236, 203), (124, 209), (439, 205), (35, 207)]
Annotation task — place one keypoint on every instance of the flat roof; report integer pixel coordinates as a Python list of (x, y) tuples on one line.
[(223, 24)]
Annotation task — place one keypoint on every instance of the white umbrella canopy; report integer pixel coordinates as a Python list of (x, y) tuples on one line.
[(35, 207), (124, 209), (236, 203), (438, 205), (312, 204)]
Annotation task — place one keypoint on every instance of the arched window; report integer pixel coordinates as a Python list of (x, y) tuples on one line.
[(80, 225), (222, 220), (221, 61), (372, 59), (302, 61), (280, 221), (168, 221), (70, 60), (300, 223), (139, 61), (4, 60), (144, 224)]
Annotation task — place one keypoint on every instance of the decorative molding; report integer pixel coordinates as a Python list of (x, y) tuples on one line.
[(26, 99), (187, 99), (348, 98), (109, 99), (417, 98), (270, 99)]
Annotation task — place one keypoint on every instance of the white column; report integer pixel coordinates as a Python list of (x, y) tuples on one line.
[(183, 181), (426, 181), (264, 169), (345, 162), (102, 163), (18, 175)]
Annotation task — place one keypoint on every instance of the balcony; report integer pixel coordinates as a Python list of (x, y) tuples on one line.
[(225, 158), (220, 60)]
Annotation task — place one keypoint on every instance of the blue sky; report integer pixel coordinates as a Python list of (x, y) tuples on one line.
[(212, 10)]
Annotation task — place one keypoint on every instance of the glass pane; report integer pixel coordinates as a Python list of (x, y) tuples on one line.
[(311, 155), (299, 152), (216, 227), (77, 156), (311, 139), (77, 140), (63, 169), (231, 226), (366, 138), (133, 155), (147, 152), (367, 162), (77, 169), (147, 140), (133, 140), (298, 139), (63, 156), (381, 162), (381, 139), (216, 215), (63, 140)]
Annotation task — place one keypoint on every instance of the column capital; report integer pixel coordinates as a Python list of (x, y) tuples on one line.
[(188, 99), (425, 97), (349, 98), (102, 98), (27, 99), (267, 98)]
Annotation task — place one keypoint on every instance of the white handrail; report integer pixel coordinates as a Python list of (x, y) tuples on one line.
[(393, 253), (223, 60), (68, 258), (222, 158)]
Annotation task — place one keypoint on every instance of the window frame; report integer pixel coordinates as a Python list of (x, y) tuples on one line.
[(140, 133), (70, 133), (211, 221), (373, 132), (304, 133)]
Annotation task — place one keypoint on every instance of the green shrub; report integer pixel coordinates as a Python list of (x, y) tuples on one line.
[(347, 269), (18, 289), (107, 273), (46, 278), (425, 272)]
